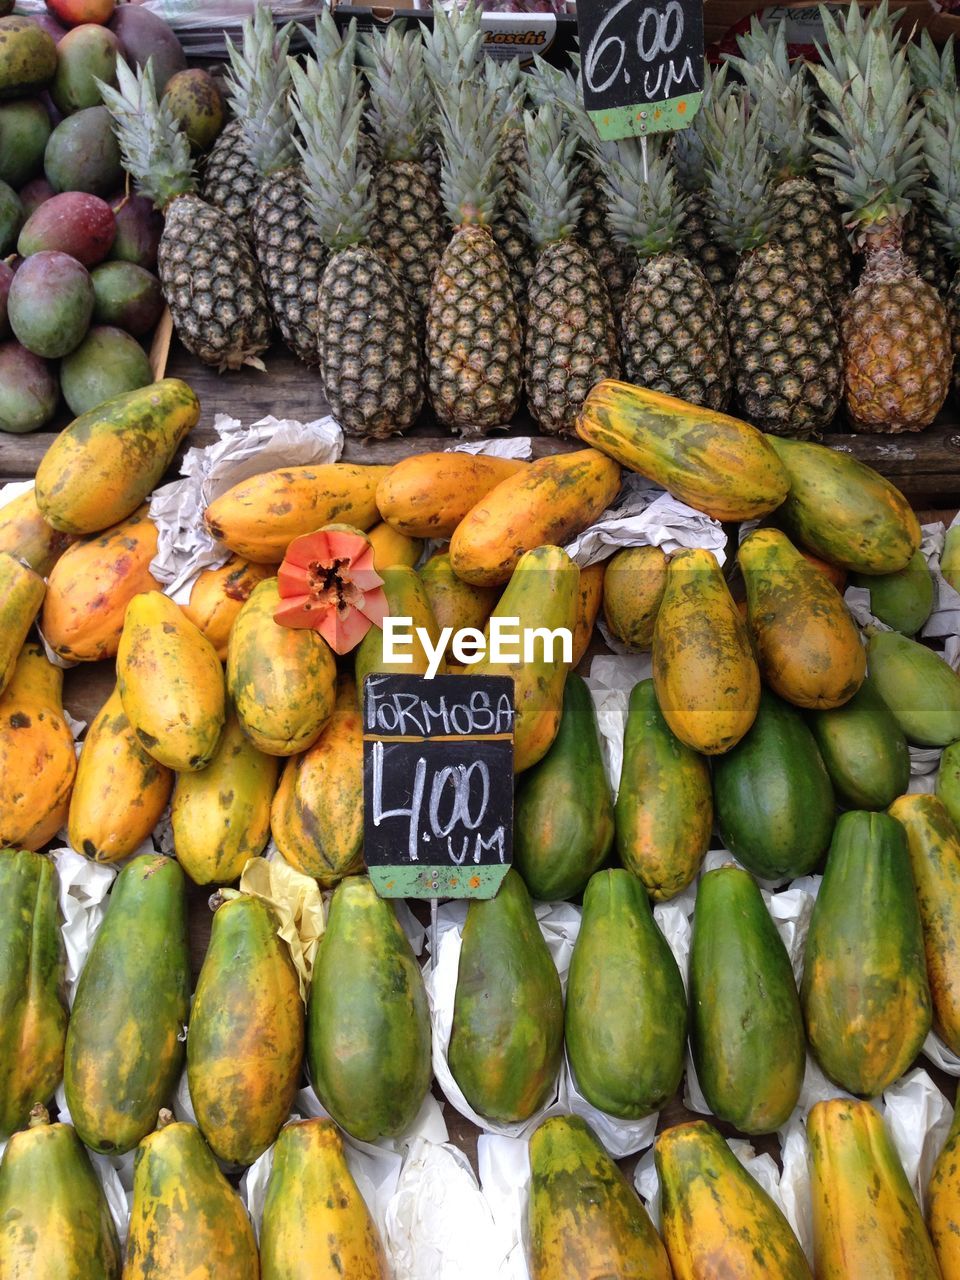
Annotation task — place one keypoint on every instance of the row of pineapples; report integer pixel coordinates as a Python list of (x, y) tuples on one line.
[(414, 232)]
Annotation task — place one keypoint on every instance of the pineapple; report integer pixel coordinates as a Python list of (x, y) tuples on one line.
[(473, 327), (229, 180), (896, 349), (368, 349), (510, 228), (940, 129), (208, 274), (930, 70), (783, 335), (571, 338), (409, 230), (290, 254), (672, 332), (808, 222)]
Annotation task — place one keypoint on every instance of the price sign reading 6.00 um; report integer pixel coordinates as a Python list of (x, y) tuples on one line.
[(641, 64)]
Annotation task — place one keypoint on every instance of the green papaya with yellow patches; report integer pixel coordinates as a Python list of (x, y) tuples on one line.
[(903, 600)]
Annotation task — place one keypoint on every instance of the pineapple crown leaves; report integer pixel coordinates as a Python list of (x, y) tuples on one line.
[(871, 146), (548, 193), (846, 47), (453, 49), (258, 85), (508, 83), (940, 133), (327, 106), (932, 70), (154, 149), (471, 174), (400, 105), (325, 39), (644, 206), (780, 91), (549, 84), (743, 207), (689, 149)]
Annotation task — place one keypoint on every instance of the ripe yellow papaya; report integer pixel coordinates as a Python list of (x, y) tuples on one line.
[(866, 1220), (221, 815), (807, 644), (715, 463), (633, 587), (704, 671), (104, 464), (258, 518), (55, 1223), (218, 595), (391, 547), (316, 1225), (21, 595), (246, 1034), (120, 791), (943, 1203), (281, 679), (25, 534), (171, 683), (406, 598), (317, 816), (717, 1221), (455, 603), (542, 596), (584, 1218), (549, 502), (38, 762), (934, 845), (92, 584), (186, 1222), (427, 495), (589, 599), (32, 982)]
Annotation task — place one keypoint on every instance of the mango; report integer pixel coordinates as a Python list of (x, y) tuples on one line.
[(107, 363), (11, 217), (83, 155), (21, 595), (127, 296), (85, 55), (29, 393), (142, 35), (24, 129), (197, 107), (73, 222), (50, 304), (28, 57), (6, 279), (36, 192), (139, 227), (73, 12)]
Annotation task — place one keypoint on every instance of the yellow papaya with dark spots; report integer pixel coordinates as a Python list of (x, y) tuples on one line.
[(221, 814), (125, 1046), (943, 1203), (245, 1042), (218, 595), (186, 1222), (281, 679), (633, 587), (171, 683), (120, 792), (455, 603), (589, 600), (21, 595), (428, 494), (25, 534), (391, 547), (584, 1219), (316, 1225)]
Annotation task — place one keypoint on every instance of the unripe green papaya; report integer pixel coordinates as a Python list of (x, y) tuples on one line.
[(948, 781), (950, 557), (920, 688), (124, 1044), (507, 1037), (746, 1028), (563, 817), (903, 600), (626, 1014), (55, 1223), (368, 1021), (864, 750), (33, 1024), (865, 994)]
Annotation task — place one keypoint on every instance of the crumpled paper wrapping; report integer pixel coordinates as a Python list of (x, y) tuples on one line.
[(83, 891), (184, 547), (298, 905), (513, 447)]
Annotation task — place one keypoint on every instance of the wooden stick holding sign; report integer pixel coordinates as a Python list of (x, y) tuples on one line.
[(641, 64)]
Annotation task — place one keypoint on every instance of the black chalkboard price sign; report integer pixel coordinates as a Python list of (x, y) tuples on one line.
[(438, 784), (641, 64)]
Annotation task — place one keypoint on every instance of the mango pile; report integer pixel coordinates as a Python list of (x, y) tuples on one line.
[(768, 721)]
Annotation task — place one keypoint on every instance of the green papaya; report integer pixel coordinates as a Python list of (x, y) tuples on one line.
[(563, 816), (506, 1041), (865, 994), (864, 750), (948, 781), (664, 811), (125, 1047), (368, 1021), (55, 1223), (33, 1005), (746, 1028), (245, 1042), (903, 600), (774, 801), (920, 688), (626, 1012)]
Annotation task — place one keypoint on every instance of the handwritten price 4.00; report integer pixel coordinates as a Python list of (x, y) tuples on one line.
[(659, 33)]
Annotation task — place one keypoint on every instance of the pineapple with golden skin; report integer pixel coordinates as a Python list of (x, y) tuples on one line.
[(369, 352), (896, 348), (208, 274), (784, 341), (941, 149), (570, 334)]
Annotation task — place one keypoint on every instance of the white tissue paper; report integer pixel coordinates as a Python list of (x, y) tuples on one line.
[(644, 515), (610, 682), (13, 489), (184, 547), (514, 447), (84, 886), (504, 1165)]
